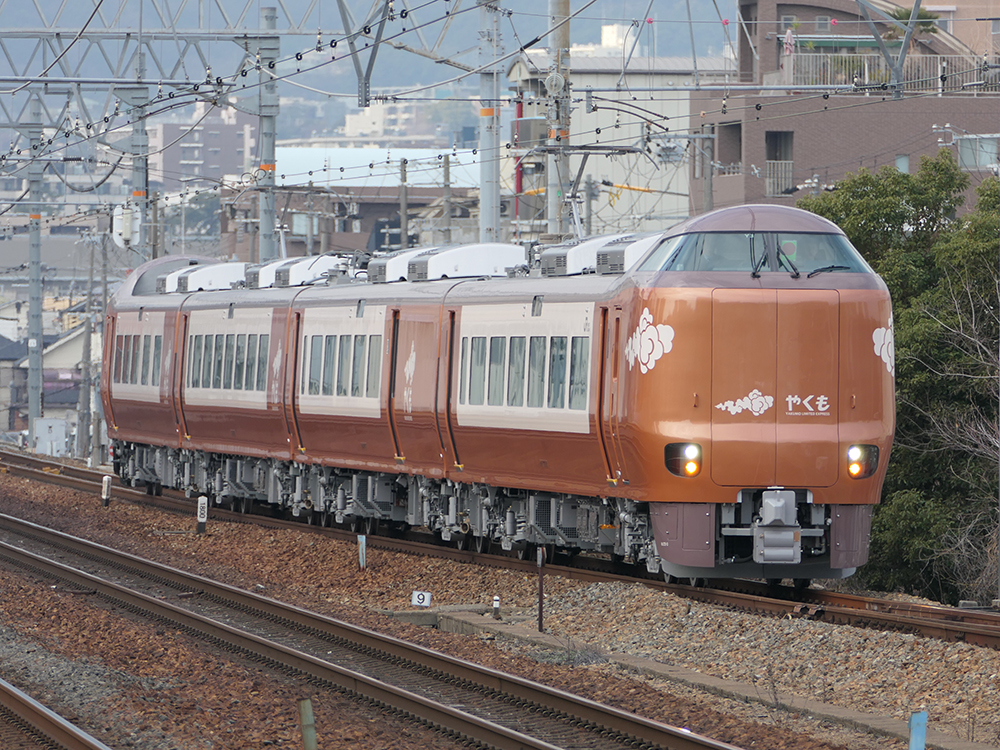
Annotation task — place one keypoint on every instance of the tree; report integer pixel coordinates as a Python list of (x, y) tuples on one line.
[(934, 532)]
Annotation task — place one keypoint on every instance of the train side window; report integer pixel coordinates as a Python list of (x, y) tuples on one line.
[(220, 351), (133, 377), (329, 364), (536, 371), (315, 365), (498, 352), (241, 361), (249, 380), (463, 370), (127, 359), (374, 366), (147, 347), (304, 368), (515, 372), (262, 354), (557, 372), (227, 380), (119, 357), (194, 376), (344, 365), (579, 363), (154, 375), (477, 371), (206, 363), (358, 369)]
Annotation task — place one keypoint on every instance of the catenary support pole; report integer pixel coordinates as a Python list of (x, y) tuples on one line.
[(268, 49), (557, 114), (35, 342), (404, 208), (490, 49)]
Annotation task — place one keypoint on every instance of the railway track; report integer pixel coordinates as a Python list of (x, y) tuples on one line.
[(468, 701), (26, 724), (977, 627)]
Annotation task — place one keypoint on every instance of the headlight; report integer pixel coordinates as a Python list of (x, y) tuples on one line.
[(683, 459), (862, 461)]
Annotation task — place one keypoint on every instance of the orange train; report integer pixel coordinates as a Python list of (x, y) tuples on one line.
[(716, 400)]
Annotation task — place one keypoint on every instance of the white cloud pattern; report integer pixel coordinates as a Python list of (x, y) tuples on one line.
[(885, 346), (755, 402), (648, 342)]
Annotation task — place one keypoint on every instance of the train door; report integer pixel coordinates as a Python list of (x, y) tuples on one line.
[(112, 359), (609, 402), (450, 366), (177, 382), (290, 401), (391, 410)]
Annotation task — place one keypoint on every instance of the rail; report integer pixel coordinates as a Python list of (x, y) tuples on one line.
[(580, 712), (50, 725)]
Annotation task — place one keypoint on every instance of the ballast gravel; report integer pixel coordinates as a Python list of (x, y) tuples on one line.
[(882, 673)]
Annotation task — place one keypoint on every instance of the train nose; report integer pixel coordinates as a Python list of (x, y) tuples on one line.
[(775, 369)]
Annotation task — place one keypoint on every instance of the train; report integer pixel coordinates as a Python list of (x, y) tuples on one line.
[(711, 401)]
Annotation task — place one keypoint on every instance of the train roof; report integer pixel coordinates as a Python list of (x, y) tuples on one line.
[(756, 218)]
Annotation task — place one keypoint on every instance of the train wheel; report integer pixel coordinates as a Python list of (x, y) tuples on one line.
[(246, 505), (697, 583), (481, 544), (461, 541), (667, 578), (371, 526), (357, 523), (773, 583), (157, 489), (801, 584), (149, 488)]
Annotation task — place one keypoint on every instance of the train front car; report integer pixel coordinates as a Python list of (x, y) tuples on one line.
[(758, 405)]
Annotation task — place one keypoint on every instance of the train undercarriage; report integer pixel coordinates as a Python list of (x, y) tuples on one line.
[(771, 533)]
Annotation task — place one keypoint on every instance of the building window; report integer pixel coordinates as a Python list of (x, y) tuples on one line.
[(822, 23), (903, 163), (788, 22)]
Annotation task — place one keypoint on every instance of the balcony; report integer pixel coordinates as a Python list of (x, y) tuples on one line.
[(920, 72), (778, 179)]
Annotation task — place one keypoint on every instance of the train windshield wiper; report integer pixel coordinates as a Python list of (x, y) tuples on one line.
[(827, 269), (782, 255), (755, 271)]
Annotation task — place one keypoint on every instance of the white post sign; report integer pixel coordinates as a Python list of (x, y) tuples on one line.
[(421, 599)]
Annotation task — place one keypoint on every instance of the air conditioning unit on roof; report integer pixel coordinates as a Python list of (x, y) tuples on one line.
[(463, 261)]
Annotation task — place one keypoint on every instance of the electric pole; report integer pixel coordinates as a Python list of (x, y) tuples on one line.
[(557, 114), (490, 49), (35, 340), (268, 48)]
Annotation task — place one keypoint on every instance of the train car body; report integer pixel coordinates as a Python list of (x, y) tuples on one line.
[(723, 408)]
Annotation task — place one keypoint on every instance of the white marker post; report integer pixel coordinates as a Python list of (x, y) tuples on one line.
[(202, 513), (496, 607), (106, 490), (421, 599), (362, 549)]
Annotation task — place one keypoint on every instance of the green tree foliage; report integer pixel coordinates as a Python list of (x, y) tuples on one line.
[(935, 530)]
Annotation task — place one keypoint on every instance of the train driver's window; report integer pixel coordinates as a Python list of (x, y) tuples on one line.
[(823, 253), (726, 251)]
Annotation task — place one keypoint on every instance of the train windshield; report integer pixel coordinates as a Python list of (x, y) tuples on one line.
[(795, 253)]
